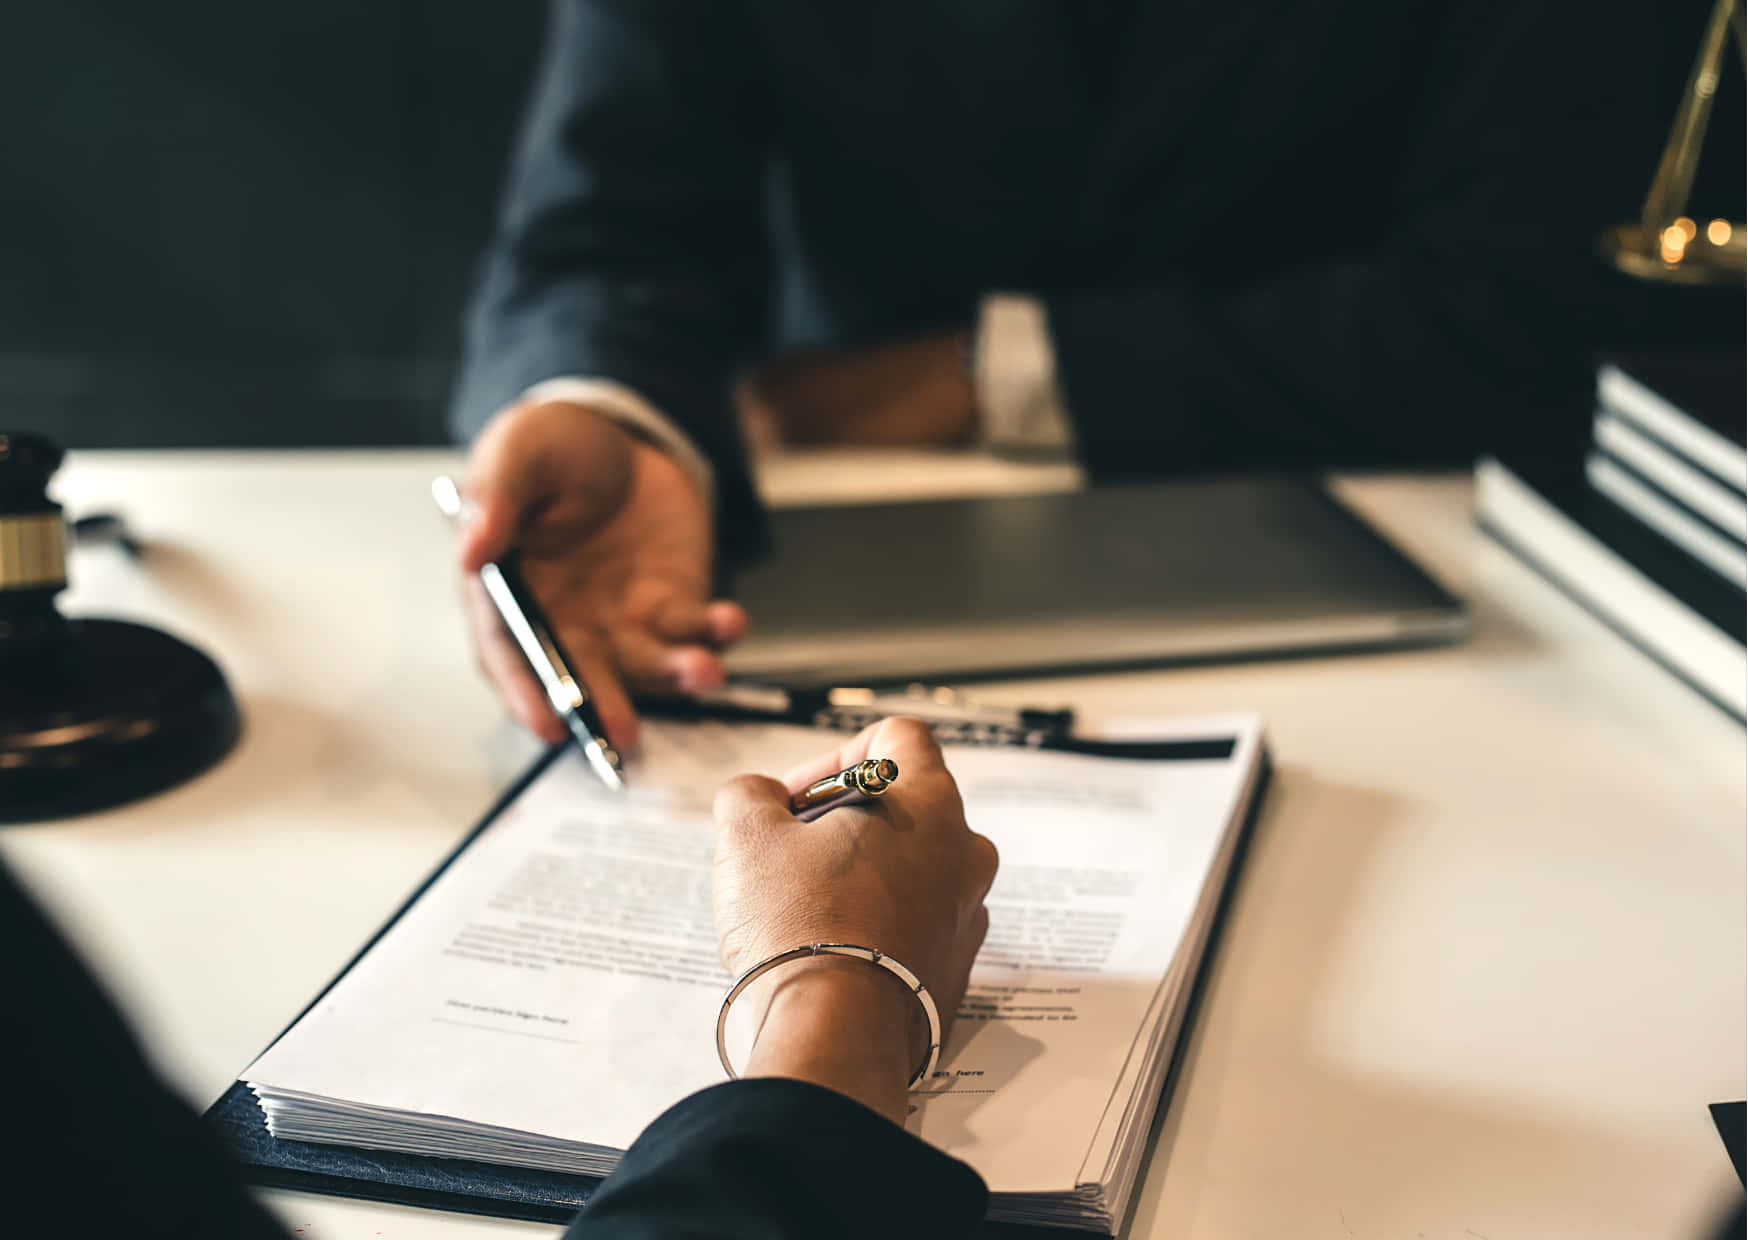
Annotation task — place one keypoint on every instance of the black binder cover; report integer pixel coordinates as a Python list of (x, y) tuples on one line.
[(468, 1187)]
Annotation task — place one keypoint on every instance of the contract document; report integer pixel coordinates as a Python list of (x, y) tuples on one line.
[(556, 987)]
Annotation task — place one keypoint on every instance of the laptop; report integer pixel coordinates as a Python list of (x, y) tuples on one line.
[(1128, 575)]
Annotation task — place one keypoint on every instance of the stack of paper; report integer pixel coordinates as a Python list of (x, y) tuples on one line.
[(556, 987)]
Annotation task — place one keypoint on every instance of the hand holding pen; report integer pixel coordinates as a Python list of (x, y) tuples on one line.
[(906, 877), (863, 781), (566, 691), (613, 538)]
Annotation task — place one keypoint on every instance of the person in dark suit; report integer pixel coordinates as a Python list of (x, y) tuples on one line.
[(809, 1143), (1170, 238)]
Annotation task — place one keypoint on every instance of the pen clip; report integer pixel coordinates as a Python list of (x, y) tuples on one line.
[(947, 731), (953, 718)]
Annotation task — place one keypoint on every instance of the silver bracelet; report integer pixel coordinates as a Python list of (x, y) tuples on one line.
[(871, 955)]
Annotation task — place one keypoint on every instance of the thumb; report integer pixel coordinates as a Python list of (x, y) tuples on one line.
[(487, 530), (750, 806), (499, 490), (532, 459)]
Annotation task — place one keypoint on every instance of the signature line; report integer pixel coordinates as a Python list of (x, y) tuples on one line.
[(520, 1033)]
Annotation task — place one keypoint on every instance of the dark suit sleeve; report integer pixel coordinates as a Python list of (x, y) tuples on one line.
[(99, 1145), (781, 1160), (1457, 317), (631, 240), (764, 1159)]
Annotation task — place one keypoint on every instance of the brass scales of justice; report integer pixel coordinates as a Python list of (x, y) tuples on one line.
[(1664, 244)]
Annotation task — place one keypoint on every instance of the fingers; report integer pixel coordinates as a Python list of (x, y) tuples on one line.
[(694, 669), (982, 867), (501, 488), (648, 662), (612, 702), (509, 673), (505, 668), (674, 617), (661, 640), (687, 657), (609, 659), (718, 624), (906, 741), (679, 649), (979, 927), (527, 457), (487, 530), (554, 482), (725, 623), (749, 805), (829, 763)]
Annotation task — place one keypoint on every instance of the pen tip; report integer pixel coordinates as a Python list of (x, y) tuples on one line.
[(606, 763)]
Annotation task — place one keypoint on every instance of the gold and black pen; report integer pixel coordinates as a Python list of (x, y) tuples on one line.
[(539, 645), (863, 782)]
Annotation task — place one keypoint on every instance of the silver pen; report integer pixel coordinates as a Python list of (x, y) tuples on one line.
[(864, 781), (521, 615)]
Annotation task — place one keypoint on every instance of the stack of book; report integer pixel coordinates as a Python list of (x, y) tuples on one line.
[(1649, 532)]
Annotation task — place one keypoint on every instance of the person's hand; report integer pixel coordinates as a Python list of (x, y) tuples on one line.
[(912, 392), (614, 539), (903, 874)]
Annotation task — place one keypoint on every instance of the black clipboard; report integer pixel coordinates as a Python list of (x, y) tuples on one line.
[(467, 1187)]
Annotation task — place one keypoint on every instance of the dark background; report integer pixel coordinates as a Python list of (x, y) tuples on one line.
[(246, 223), (255, 224)]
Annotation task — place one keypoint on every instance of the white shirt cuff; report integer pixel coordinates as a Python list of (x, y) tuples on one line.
[(631, 411), (1014, 373)]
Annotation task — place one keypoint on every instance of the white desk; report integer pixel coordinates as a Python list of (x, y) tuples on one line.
[(1485, 969)]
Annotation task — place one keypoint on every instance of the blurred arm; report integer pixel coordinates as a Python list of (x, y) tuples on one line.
[(98, 1134), (781, 1159), (1462, 324), (631, 246)]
